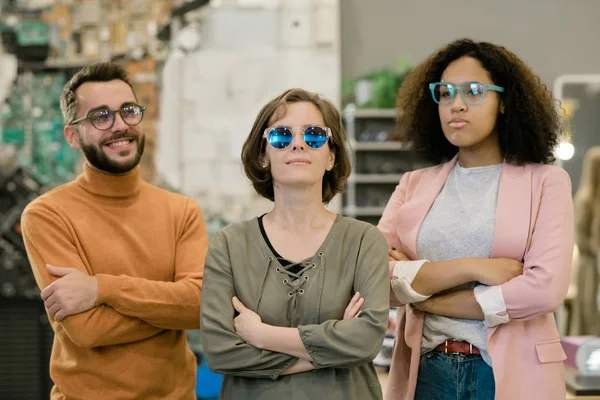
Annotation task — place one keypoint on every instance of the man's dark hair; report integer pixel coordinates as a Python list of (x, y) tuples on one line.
[(96, 72)]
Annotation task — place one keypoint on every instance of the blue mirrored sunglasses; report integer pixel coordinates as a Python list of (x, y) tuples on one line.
[(281, 137), (471, 92)]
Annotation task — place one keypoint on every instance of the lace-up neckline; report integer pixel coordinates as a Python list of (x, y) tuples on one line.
[(294, 274), (295, 281)]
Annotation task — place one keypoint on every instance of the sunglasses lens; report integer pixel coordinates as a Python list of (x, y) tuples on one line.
[(280, 137), (315, 136)]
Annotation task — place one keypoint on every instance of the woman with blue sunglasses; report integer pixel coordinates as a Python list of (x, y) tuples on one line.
[(481, 243), (295, 303)]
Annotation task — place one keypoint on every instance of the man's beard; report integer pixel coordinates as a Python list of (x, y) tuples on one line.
[(98, 158)]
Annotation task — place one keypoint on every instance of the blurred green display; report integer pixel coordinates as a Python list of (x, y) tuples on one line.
[(32, 33), (13, 135), (31, 119)]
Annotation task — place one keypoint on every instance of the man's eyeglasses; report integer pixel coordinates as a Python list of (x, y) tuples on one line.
[(281, 137), (471, 92), (104, 119)]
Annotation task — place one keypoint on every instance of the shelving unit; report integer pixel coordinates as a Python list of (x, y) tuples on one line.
[(376, 146), (379, 161), (375, 178)]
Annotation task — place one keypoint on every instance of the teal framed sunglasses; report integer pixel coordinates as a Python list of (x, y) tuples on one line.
[(471, 92)]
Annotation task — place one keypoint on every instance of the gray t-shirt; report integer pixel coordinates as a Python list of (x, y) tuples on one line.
[(460, 224)]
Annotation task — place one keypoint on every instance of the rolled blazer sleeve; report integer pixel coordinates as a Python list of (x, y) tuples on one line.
[(491, 301), (225, 351), (356, 341), (404, 274)]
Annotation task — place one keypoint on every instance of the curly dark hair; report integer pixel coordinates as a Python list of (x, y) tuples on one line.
[(529, 129)]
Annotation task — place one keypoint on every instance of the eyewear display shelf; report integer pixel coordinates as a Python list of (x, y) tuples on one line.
[(378, 161)]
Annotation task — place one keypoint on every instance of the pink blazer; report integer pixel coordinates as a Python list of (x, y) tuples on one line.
[(534, 223)]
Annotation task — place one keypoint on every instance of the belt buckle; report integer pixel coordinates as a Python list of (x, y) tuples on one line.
[(456, 352), (446, 348)]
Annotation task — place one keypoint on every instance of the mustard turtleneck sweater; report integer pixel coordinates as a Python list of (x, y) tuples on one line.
[(146, 246)]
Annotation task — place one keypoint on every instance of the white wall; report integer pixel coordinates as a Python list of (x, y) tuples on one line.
[(252, 50)]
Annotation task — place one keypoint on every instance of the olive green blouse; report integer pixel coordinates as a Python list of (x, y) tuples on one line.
[(352, 258)]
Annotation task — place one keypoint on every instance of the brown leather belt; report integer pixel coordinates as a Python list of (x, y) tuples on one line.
[(452, 347)]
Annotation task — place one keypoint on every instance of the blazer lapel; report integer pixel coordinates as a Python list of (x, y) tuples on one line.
[(414, 212), (513, 213)]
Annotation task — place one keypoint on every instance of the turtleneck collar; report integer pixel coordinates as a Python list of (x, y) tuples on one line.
[(109, 185)]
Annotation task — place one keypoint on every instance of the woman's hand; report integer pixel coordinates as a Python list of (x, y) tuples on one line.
[(354, 306), (397, 255), (248, 324), (497, 271)]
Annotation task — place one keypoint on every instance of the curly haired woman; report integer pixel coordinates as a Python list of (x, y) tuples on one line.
[(481, 243)]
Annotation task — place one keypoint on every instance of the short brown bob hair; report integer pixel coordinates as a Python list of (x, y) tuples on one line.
[(254, 148)]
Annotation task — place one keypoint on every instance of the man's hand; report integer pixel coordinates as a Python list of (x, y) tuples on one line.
[(74, 293), (248, 324)]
